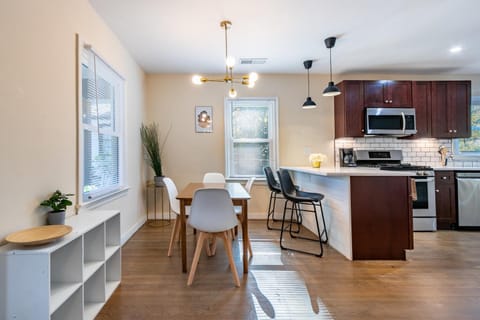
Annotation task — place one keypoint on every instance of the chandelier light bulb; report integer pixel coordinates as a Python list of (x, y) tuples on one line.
[(230, 61), (196, 79), (251, 84), (253, 76), (232, 93)]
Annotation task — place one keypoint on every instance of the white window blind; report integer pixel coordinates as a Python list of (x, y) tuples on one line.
[(250, 136), (101, 128)]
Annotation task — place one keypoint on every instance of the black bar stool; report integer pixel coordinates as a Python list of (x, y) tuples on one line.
[(300, 199), (275, 193)]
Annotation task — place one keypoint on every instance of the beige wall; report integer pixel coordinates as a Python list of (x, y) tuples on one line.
[(38, 107), (171, 100)]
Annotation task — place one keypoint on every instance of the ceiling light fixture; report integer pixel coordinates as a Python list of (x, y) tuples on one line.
[(248, 80), (309, 103), (456, 49), (331, 90)]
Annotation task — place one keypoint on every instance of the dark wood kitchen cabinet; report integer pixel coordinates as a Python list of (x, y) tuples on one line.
[(445, 200), (387, 94), (349, 110), (422, 102), (451, 109)]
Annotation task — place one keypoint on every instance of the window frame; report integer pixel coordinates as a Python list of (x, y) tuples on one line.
[(459, 155), (103, 195), (272, 132)]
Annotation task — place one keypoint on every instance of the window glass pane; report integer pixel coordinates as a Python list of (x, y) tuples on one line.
[(472, 145), (250, 122), (101, 162), (250, 158)]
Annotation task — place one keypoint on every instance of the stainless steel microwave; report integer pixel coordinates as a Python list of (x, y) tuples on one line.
[(390, 121)]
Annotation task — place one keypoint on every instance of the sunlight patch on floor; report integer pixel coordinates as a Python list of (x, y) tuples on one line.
[(283, 295)]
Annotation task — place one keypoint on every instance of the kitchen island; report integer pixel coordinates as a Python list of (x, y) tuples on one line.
[(368, 211)]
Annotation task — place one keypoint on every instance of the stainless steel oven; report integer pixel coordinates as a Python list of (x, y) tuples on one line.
[(424, 212)]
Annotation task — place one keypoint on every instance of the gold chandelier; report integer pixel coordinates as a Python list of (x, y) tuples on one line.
[(248, 80)]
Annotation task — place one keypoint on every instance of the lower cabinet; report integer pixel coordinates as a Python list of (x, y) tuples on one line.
[(71, 278), (445, 200), (381, 217)]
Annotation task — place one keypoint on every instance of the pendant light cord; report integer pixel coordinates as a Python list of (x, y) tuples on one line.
[(330, 64), (308, 82)]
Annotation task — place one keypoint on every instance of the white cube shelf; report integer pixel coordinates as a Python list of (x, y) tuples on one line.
[(71, 278)]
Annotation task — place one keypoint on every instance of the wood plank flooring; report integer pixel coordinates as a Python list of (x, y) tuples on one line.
[(439, 280)]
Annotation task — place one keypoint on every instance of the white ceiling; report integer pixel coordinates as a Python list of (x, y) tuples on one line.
[(374, 36)]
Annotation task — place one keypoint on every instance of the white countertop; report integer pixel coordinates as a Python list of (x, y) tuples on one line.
[(349, 172), (456, 168)]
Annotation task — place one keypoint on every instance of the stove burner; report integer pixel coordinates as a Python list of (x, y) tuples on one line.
[(404, 167)]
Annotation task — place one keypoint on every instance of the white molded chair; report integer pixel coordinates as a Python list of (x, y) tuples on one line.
[(175, 207), (212, 214), (238, 210), (213, 177)]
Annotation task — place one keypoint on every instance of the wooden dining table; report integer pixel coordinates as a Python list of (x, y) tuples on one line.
[(239, 196)]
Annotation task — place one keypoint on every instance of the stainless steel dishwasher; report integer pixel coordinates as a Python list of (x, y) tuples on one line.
[(468, 197)]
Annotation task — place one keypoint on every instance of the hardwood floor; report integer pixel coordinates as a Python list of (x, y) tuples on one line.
[(439, 280)]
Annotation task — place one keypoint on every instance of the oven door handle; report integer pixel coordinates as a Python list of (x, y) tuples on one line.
[(424, 180), (404, 122)]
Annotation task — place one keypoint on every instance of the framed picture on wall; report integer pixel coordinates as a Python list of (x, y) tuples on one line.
[(203, 119)]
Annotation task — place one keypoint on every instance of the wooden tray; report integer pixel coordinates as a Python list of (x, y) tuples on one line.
[(38, 235)]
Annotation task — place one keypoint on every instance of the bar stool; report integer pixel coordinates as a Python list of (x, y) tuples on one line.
[(275, 193), (300, 199)]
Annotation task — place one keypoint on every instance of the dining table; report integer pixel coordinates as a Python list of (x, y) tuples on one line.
[(239, 197)]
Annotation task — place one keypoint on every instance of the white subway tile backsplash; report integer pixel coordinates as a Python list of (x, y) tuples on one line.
[(418, 151)]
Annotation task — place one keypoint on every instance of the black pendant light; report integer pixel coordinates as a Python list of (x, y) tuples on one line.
[(331, 90), (309, 103)]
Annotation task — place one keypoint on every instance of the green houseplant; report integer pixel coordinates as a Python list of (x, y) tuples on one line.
[(58, 202), (153, 149)]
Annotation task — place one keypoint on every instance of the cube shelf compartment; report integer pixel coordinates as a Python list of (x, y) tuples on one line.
[(71, 278)]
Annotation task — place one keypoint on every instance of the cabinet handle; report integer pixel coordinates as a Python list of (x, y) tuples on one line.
[(455, 131), (391, 101), (436, 190), (386, 101), (444, 178), (450, 131)]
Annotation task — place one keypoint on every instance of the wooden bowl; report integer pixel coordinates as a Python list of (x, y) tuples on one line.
[(38, 235)]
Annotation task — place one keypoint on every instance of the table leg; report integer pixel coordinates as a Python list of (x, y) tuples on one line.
[(183, 235), (245, 235)]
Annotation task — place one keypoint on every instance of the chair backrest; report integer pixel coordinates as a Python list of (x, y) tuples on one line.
[(172, 195), (212, 211), (213, 177), (249, 184), (286, 183), (273, 185)]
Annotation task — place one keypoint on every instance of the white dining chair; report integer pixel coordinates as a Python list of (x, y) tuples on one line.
[(238, 211), (213, 215), (213, 177), (175, 207)]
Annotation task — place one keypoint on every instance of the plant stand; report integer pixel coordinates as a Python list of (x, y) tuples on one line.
[(156, 222)]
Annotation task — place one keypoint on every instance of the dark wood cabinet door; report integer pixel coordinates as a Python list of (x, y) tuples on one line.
[(349, 110), (451, 109), (388, 94), (459, 107), (374, 95), (421, 101), (399, 94), (445, 200)]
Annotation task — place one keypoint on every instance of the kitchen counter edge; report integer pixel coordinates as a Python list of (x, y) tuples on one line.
[(350, 172)]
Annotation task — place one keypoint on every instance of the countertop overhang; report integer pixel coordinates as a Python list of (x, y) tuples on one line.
[(350, 172)]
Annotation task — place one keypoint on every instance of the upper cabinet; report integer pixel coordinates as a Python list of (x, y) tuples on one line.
[(451, 109), (349, 111), (442, 108), (387, 93)]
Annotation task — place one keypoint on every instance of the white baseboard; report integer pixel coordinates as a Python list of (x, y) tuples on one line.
[(125, 237)]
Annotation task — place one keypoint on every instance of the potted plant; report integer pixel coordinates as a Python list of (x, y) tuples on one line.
[(58, 202), (153, 150)]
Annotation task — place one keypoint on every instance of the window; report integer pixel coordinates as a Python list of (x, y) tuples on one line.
[(100, 128), (250, 136), (468, 147)]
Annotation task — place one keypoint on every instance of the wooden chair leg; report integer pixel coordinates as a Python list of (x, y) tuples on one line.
[(232, 234), (213, 244), (196, 257), (175, 232), (228, 248)]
